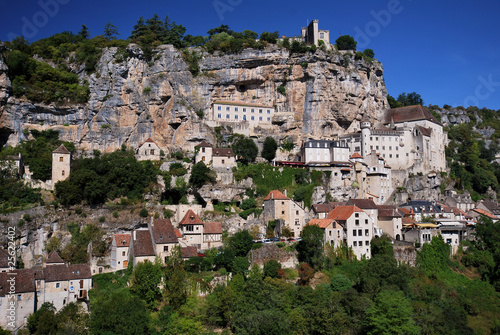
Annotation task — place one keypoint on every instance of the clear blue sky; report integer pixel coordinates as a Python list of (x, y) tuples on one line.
[(448, 52)]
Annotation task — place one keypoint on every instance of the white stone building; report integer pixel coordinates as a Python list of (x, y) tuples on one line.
[(148, 150), (279, 206), (237, 112), (120, 251)]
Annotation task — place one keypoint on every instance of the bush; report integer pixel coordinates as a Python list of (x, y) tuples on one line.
[(346, 42), (281, 89), (143, 213)]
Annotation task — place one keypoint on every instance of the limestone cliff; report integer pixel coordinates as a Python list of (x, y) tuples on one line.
[(132, 99)]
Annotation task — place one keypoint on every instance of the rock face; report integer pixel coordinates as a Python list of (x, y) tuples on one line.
[(132, 99)]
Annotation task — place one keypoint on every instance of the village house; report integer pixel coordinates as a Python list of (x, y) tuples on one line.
[(163, 236), (476, 214), (333, 232), (422, 209), (14, 164), (358, 228), (279, 206), (202, 235), (419, 233), (142, 246), (217, 158), (120, 251), (390, 220), (371, 209), (148, 150), (489, 206)]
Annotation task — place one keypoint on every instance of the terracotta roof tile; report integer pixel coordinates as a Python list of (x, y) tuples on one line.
[(322, 223), (163, 231), (62, 272), (188, 252), (178, 233), (143, 245), (148, 140), (203, 144), (407, 220), (362, 203), (389, 211), (190, 218), (122, 240), (276, 195), (54, 258), (409, 113), (485, 213), (223, 152), (342, 213), (212, 228), (321, 208), (61, 150), (356, 155), (25, 281)]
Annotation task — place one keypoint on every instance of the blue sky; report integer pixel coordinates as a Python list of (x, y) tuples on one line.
[(448, 52)]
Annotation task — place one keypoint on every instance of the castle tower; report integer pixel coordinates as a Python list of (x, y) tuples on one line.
[(61, 159), (365, 137)]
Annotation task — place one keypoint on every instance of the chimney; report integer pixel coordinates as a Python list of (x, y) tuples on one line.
[(285, 193), (272, 195), (135, 235)]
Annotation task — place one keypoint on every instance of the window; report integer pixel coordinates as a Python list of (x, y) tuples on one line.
[(123, 253), (355, 243), (58, 285), (354, 232), (260, 111), (227, 116), (165, 248), (219, 115), (357, 222), (282, 212), (189, 227), (360, 232), (268, 111), (203, 158), (330, 232), (356, 215), (18, 297), (367, 242), (376, 147), (282, 202), (63, 172), (227, 109), (219, 108), (236, 117), (152, 151), (244, 110), (235, 109), (61, 159), (244, 117), (260, 118), (338, 233), (367, 232), (296, 212), (297, 222), (268, 119), (253, 118), (366, 221), (202, 149), (253, 110), (448, 240), (223, 161)]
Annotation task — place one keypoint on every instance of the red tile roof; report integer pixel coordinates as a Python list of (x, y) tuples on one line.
[(223, 152), (342, 213), (425, 131), (122, 240), (178, 234), (407, 220), (24, 281), (321, 208), (356, 155), (54, 258), (143, 245), (404, 210), (148, 140), (389, 211), (163, 231), (190, 218), (276, 195), (322, 223), (362, 203), (66, 272), (409, 113), (61, 150), (188, 252), (4, 259), (203, 144), (485, 213), (212, 228)]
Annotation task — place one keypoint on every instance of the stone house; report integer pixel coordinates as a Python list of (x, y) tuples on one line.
[(279, 206), (203, 152), (489, 206), (419, 232), (217, 158), (378, 181), (120, 251), (333, 232), (61, 162), (202, 235), (163, 236), (148, 150), (390, 220), (142, 246), (54, 259), (358, 228)]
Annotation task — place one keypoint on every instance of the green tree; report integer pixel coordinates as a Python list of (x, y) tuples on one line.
[(241, 243), (246, 150), (271, 268), (145, 281), (110, 31), (410, 99), (200, 175), (369, 53), (84, 32), (240, 265), (269, 37), (175, 292), (346, 42), (44, 320), (391, 314), (269, 149), (393, 103), (310, 248)]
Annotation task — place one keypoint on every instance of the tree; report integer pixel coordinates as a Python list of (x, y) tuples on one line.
[(369, 53), (310, 248), (84, 32), (221, 29), (43, 321), (393, 103), (269, 37), (410, 99), (271, 268), (346, 42), (269, 149), (200, 175), (391, 314), (241, 243), (240, 265), (110, 31), (175, 280), (145, 281), (246, 150), (306, 273)]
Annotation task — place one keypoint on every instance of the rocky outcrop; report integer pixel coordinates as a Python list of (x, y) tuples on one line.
[(132, 98)]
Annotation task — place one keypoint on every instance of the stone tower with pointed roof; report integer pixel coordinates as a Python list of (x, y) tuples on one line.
[(61, 159)]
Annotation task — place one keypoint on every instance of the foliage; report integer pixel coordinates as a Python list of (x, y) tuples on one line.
[(287, 144), (71, 319), (271, 268), (200, 175), (241, 243), (346, 42), (306, 273), (269, 149), (310, 248), (434, 256), (281, 89), (369, 53), (95, 180), (245, 149), (76, 250), (145, 281), (410, 99)]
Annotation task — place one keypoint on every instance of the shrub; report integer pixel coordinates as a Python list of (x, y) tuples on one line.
[(281, 89), (143, 213), (346, 42)]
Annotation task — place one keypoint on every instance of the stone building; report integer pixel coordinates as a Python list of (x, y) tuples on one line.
[(61, 162), (202, 235), (142, 246), (279, 206), (120, 251), (238, 112), (390, 220), (334, 234), (163, 237), (148, 150)]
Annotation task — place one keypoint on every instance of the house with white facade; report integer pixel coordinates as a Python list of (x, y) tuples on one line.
[(148, 150), (202, 235), (390, 220), (163, 236), (120, 251), (334, 234), (239, 112), (142, 246), (358, 228)]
